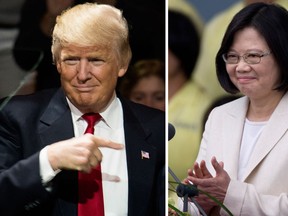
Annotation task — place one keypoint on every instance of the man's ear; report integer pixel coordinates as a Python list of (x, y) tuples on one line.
[(122, 72), (58, 66)]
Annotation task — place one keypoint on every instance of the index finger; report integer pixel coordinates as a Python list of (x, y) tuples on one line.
[(108, 143), (204, 169), (218, 166)]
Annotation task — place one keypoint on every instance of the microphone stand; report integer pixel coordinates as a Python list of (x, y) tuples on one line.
[(186, 192), (182, 189)]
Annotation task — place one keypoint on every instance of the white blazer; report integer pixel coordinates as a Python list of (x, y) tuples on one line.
[(264, 188)]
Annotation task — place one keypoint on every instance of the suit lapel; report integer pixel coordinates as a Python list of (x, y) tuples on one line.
[(56, 122), (140, 170), (272, 133), (56, 125)]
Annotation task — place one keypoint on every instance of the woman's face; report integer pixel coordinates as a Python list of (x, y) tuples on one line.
[(253, 80), (149, 91)]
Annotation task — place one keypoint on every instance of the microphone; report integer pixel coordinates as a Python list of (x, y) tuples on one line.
[(171, 131), (190, 190)]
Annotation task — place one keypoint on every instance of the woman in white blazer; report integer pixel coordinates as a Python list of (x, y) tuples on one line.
[(243, 156)]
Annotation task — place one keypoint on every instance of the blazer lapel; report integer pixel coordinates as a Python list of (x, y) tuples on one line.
[(140, 168), (235, 120), (272, 133)]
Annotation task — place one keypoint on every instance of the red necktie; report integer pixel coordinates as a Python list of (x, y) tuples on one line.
[(90, 201)]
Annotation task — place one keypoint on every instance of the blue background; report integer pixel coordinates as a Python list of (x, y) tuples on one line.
[(208, 8)]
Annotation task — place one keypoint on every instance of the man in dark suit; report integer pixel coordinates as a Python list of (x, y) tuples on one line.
[(42, 147)]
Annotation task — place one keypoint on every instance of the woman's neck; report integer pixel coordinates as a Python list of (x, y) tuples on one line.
[(262, 109)]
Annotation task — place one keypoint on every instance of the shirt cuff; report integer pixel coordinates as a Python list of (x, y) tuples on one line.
[(46, 171)]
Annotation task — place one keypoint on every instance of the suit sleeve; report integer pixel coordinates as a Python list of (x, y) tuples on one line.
[(20, 183)]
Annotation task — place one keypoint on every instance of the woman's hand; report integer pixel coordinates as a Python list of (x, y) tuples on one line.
[(215, 186)]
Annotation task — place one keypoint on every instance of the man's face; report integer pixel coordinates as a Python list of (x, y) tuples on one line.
[(89, 76)]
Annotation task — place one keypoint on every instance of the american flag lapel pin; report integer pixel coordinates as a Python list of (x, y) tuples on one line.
[(144, 155)]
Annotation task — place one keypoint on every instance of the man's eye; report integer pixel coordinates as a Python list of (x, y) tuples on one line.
[(96, 61), (71, 61)]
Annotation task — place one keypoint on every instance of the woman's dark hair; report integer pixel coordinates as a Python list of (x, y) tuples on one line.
[(183, 40), (271, 21)]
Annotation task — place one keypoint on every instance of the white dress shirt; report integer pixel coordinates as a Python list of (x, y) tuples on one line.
[(113, 165)]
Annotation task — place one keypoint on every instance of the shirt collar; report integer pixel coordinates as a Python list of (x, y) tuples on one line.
[(111, 115)]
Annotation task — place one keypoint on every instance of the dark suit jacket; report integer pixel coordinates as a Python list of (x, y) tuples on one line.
[(29, 123)]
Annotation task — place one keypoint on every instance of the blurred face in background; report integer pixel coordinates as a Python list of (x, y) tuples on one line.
[(149, 91)]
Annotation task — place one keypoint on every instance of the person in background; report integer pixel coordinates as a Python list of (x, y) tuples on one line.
[(11, 74), (205, 71), (145, 83), (187, 102), (43, 151), (244, 145)]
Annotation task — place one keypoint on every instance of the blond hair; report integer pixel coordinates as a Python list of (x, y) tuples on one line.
[(93, 24)]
